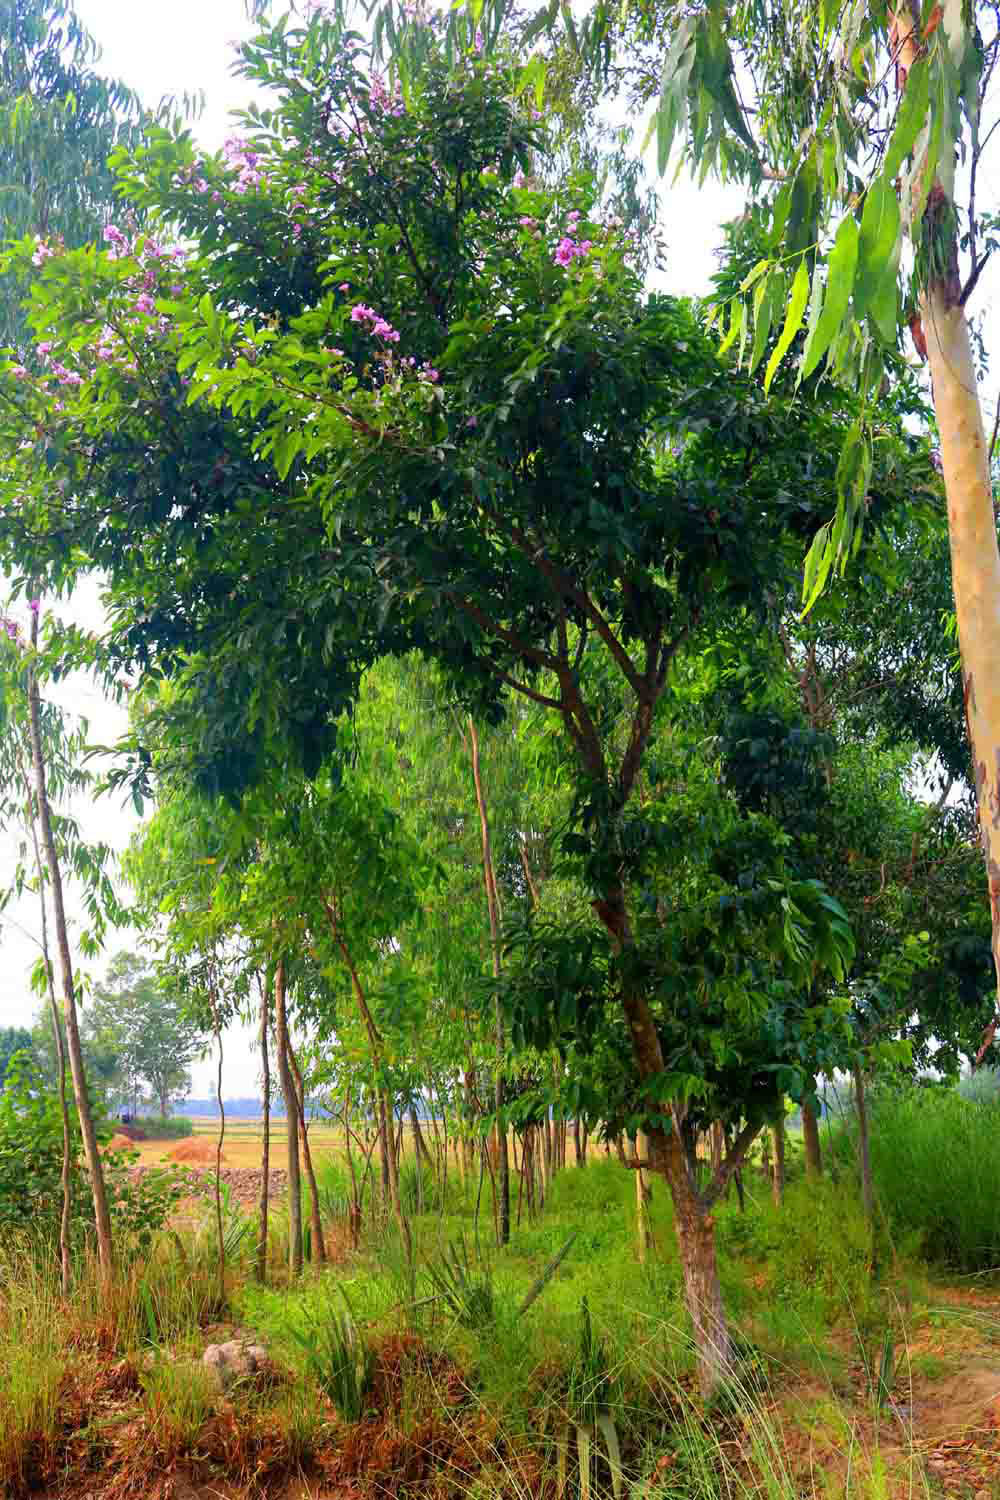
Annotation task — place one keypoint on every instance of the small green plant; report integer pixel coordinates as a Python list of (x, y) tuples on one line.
[(469, 1295), (338, 1360)]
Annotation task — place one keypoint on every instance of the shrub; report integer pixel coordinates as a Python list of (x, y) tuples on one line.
[(31, 1151)]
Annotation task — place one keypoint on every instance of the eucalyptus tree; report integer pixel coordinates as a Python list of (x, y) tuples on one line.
[(59, 122), (42, 754)]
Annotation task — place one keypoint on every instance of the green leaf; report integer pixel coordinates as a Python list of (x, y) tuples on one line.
[(766, 301), (837, 296), (737, 318), (911, 116), (793, 322), (877, 244), (819, 560)]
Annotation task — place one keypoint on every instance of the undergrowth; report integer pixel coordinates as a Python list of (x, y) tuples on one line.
[(556, 1366)]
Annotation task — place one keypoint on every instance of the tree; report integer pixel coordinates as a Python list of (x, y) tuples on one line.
[(59, 121), (457, 425), (848, 131), (12, 1039), (144, 1021)]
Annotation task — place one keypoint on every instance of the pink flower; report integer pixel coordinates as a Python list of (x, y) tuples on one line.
[(345, 286), (526, 222), (519, 178), (428, 373), (46, 347), (113, 236), (472, 422), (19, 371), (145, 304), (361, 313), (34, 605)]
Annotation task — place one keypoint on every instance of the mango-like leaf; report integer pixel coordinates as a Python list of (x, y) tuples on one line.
[(793, 322)]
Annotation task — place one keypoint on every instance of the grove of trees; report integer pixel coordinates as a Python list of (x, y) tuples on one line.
[(454, 581)]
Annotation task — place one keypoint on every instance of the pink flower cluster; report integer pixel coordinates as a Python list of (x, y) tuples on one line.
[(568, 250), (380, 328), (382, 100), (245, 162), (43, 252)]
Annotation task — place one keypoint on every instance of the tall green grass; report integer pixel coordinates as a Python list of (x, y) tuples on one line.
[(936, 1166)]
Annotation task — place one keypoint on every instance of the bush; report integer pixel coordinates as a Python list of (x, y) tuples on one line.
[(31, 1151)]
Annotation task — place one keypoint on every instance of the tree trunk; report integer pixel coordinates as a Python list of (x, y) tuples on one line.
[(578, 1143), (220, 1138), (643, 1195), (319, 1245), (292, 1119), (864, 1147), (493, 909), (810, 1136), (66, 1177), (102, 1215), (778, 1137), (695, 1226), (695, 1229), (402, 1221), (419, 1144), (383, 1150), (965, 468), (265, 1151), (975, 562)]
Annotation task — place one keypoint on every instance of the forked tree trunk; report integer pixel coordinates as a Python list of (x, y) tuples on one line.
[(265, 1150), (493, 909), (387, 1122), (292, 1118), (319, 1244), (102, 1215), (810, 1137), (695, 1229)]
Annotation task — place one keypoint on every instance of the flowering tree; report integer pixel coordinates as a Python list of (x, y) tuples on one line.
[(401, 394)]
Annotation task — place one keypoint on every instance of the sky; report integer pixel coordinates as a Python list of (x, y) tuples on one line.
[(186, 46)]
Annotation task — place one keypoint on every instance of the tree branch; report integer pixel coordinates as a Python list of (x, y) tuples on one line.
[(735, 1157)]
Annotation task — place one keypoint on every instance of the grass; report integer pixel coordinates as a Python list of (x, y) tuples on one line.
[(937, 1173), (456, 1388)]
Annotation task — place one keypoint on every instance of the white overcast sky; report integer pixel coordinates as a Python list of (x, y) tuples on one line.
[(164, 47)]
